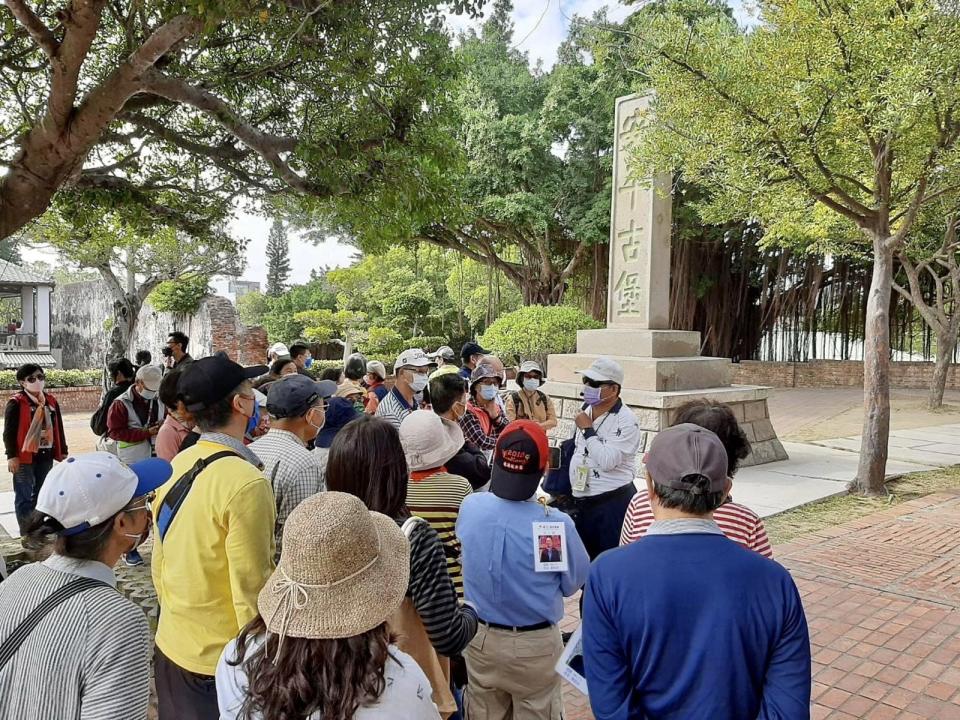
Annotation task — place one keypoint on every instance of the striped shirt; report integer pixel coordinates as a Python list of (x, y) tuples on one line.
[(449, 625), (739, 523), (294, 472), (88, 658), (394, 408), (435, 495)]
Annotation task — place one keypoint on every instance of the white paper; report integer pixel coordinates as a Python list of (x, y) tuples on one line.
[(570, 664), (550, 547)]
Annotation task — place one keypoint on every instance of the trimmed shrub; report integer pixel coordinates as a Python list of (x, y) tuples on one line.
[(535, 331), (55, 378)]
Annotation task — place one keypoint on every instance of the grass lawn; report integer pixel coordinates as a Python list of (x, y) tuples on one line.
[(809, 518)]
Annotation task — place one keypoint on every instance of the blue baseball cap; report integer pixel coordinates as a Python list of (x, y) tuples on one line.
[(85, 490)]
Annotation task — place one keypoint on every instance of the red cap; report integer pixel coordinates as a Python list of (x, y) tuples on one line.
[(519, 460)]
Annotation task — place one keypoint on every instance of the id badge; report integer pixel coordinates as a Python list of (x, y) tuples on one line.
[(581, 479), (549, 547)]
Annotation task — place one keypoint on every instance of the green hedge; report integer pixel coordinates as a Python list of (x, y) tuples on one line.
[(55, 378), (533, 332)]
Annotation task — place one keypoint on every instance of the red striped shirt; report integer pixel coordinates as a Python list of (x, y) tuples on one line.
[(739, 523)]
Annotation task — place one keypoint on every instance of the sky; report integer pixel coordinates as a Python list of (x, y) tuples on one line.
[(540, 26)]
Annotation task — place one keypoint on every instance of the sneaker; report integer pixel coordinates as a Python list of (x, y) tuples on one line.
[(132, 559)]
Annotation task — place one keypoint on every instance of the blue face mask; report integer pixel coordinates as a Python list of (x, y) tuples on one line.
[(254, 419), (308, 362), (488, 392)]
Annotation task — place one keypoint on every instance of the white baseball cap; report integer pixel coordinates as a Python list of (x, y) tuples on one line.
[(85, 490), (414, 357), (150, 376), (604, 369), (279, 349)]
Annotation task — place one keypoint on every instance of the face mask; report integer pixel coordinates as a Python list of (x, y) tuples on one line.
[(308, 362), (591, 395), (139, 538), (319, 427), (255, 418), (35, 387), (148, 394), (530, 384), (358, 406), (419, 382), (488, 392), (458, 415)]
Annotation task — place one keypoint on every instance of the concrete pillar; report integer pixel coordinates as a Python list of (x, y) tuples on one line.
[(28, 309), (43, 317)]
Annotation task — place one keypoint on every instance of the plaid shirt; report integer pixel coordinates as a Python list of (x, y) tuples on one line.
[(294, 472), (474, 432)]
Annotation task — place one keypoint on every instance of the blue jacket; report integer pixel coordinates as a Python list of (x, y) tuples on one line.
[(694, 627)]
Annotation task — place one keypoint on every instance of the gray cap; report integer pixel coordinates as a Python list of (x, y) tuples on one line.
[(681, 454), (293, 395)]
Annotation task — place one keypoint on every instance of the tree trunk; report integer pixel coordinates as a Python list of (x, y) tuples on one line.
[(876, 375), (126, 313), (946, 344)]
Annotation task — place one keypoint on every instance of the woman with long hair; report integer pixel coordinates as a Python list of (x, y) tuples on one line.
[(367, 460), (320, 649)]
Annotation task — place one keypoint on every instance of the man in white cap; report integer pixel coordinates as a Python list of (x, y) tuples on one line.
[(135, 417), (603, 465), (412, 372), (444, 356), (88, 654), (277, 351)]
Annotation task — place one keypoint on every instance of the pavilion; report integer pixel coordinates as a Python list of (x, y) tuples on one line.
[(30, 342)]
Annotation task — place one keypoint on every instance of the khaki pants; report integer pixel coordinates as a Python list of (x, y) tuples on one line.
[(511, 675)]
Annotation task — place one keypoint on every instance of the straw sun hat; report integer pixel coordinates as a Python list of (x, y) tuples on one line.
[(343, 571)]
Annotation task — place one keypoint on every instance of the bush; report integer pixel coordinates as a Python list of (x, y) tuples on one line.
[(55, 378), (533, 332), (183, 295)]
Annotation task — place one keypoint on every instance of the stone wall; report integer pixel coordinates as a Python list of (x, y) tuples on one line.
[(835, 373), (748, 405), (80, 312), (70, 399)]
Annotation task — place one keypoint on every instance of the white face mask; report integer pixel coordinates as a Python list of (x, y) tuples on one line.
[(139, 538), (35, 387), (418, 382), (148, 394), (530, 384), (319, 427)]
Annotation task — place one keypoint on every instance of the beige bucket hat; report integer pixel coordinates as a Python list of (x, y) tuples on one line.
[(428, 440), (343, 571)]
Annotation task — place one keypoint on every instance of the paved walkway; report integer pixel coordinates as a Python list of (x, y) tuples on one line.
[(882, 597)]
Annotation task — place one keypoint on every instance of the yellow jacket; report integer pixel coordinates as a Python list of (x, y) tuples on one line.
[(217, 555)]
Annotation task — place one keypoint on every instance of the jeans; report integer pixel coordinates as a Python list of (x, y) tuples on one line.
[(27, 481)]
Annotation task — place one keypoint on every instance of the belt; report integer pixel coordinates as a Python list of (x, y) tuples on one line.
[(518, 628)]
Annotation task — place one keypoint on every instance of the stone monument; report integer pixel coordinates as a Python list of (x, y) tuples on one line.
[(663, 368)]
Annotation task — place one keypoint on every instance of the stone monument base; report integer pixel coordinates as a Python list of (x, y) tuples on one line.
[(656, 411)]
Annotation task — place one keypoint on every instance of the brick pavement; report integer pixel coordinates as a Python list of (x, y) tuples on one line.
[(882, 598)]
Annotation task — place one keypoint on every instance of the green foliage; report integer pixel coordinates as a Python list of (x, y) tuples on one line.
[(536, 331), (55, 378), (278, 259), (382, 341), (180, 296), (322, 326), (277, 314)]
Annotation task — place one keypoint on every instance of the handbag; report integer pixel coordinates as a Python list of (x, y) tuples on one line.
[(412, 638), (557, 481)]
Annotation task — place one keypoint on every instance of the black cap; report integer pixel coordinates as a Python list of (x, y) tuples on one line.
[(519, 459), (209, 380), (293, 395), (470, 349)]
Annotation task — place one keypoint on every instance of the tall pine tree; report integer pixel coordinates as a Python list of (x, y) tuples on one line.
[(278, 259)]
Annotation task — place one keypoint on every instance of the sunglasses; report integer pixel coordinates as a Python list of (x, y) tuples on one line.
[(34, 378), (595, 383)]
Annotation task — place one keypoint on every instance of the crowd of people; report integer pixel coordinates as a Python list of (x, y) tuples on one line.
[(381, 545)]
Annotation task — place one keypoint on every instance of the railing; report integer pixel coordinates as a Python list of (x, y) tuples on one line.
[(12, 342)]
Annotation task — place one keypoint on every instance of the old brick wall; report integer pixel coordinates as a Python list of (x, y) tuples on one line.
[(835, 373), (80, 311)]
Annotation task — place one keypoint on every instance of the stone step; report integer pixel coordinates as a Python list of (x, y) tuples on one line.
[(639, 343), (657, 374)]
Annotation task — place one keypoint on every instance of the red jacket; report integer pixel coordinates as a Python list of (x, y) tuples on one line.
[(20, 411), (118, 421)]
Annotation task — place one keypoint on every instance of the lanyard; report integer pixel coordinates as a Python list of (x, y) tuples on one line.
[(586, 451)]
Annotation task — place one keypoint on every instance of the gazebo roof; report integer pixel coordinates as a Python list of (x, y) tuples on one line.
[(13, 277)]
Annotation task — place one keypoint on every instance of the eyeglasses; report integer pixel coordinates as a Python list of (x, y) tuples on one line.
[(34, 378), (147, 504)]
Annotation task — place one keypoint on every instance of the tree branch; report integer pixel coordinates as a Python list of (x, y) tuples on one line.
[(41, 34)]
